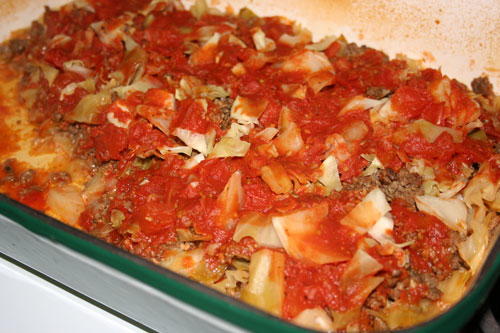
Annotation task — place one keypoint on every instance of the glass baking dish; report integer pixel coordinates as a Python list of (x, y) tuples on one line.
[(123, 283)]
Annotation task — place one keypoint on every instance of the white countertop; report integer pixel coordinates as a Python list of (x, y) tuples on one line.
[(29, 303)]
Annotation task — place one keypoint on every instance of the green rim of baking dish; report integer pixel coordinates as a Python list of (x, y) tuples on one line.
[(212, 301)]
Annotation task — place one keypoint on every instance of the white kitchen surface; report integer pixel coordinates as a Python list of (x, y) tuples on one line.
[(28, 303)]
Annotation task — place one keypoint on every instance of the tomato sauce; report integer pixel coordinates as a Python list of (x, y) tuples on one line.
[(308, 287), (450, 155), (431, 250)]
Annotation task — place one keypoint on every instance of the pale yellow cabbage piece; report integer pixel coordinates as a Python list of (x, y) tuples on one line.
[(175, 150), (360, 266), (229, 285), (480, 190), (260, 228), (190, 86), (239, 69), (65, 203), (338, 147), (289, 140), (315, 318), (381, 231), (230, 200), (77, 66), (202, 142), (261, 42), (295, 90), (341, 320), (374, 166), (83, 4), (398, 315), (191, 263), (194, 161), (361, 102), (230, 147), (452, 212), (199, 8), (105, 34), (88, 107), (322, 44), (160, 117), (448, 191), (473, 249), (142, 85), (356, 131), (237, 130), (184, 262), (316, 67), (50, 73), (88, 84), (455, 286), (481, 187), (267, 134), (300, 36), (206, 53), (330, 175), (95, 187), (294, 231), (361, 289), (383, 113), (431, 132), (367, 212), (277, 178), (307, 61), (266, 285), (246, 110)]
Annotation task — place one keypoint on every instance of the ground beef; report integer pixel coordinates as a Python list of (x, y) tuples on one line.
[(482, 86), (376, 301), (17, 46), (496, 148), (36, 32), (78, 134), (243, 249), (432, 293), (352, 49), (37, 114), (224, 105), (377, 92), (429, 279), (395, 291), (403, 184), (29, 70), (5, 54), (12, 48), (362, 183), (378, 324)]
